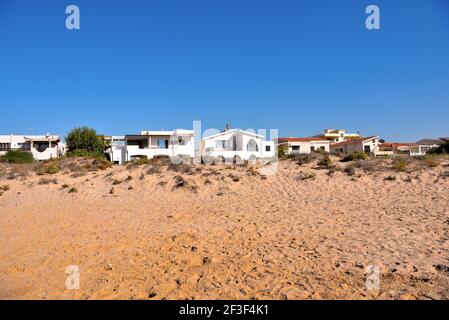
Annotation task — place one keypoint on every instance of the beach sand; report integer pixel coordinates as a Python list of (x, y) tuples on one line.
[(226, 233)]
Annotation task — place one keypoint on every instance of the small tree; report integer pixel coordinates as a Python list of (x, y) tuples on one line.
[(85, 142)]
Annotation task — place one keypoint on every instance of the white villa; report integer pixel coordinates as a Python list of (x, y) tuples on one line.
[(150, 144), (368, 145), (303, 145), (42, 147), (236, 146), (337, 135)]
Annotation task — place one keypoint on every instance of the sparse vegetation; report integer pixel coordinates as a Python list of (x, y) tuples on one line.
[(180, 182), (65, 186), (350, 170), (390, 178), (431, 161), (400, 164), (302, 159), (325, 162), (305, 176), (17, 157), (356, 155), (48, 181), (4, 188), (73, 190)]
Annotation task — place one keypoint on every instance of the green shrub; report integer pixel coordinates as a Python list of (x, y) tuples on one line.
[(390, 178), (325, 162), (356, 155), (85, 142), (444, 148), (73, 190), (19, 157), (52, 168), (4, 188), (281, 153)]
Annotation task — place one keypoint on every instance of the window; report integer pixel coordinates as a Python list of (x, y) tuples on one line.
[(252, 146), (312, 149), (220, 144), (295, 148), (367, 149), (5, 146), (182, 141), (267, 148), (322, 148), (163, 144)]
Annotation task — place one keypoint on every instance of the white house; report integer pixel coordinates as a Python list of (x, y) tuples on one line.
[(42, 147), (303, 145), (423, 146), (149, 144), (236, 145), (368, 145), (116, 148)]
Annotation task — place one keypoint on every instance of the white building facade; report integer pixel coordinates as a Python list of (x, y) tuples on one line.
[(150, 144), (235, 146), (42, 147), (303, 145)]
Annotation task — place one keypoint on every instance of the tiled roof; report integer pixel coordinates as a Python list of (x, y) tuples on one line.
[(293, 139), (352, 141)]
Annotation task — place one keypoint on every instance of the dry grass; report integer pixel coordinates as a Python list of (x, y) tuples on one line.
[(305, 176), (48, 181), (400, 164)]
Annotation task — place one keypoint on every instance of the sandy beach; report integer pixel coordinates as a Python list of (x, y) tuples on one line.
[(226, 232)]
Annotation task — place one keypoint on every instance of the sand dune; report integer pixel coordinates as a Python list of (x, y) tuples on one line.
[(226, 233)]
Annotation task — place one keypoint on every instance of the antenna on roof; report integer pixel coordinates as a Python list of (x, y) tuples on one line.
[(228, 127)]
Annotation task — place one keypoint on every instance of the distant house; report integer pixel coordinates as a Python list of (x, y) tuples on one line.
[(236, 145), (419, 148), (368, 145), (337, 135), (42, 147), (424, 145), (149, 144), (295, 145)]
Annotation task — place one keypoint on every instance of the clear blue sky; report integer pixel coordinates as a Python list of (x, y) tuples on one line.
[(299, 66)]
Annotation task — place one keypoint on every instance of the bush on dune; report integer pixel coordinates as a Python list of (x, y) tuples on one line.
[(356, 155), (85, 142), (17, 157)]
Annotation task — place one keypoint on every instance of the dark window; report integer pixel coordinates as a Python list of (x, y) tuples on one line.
[(5, 146), (323, 148), (163, 144), (295, 148), (267, 148), (367, 149), (312, 149)]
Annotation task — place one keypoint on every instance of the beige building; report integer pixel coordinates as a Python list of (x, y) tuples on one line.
[(337, 135), (367, 145), (293, 145)]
